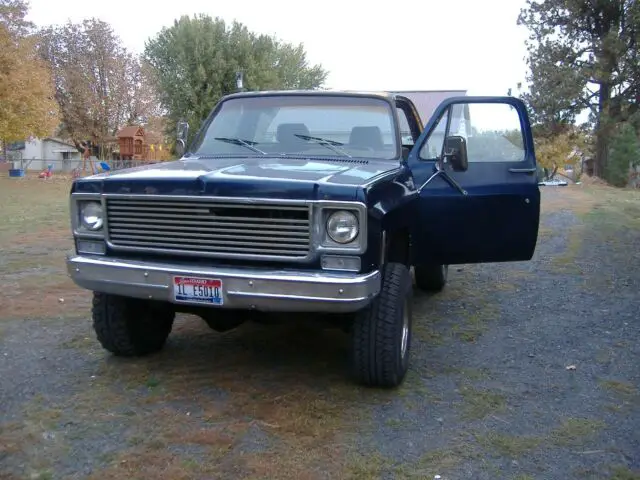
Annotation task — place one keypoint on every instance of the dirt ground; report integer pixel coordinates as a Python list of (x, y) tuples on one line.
[(519, 370)]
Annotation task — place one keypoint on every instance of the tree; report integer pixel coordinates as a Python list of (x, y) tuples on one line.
[(583, 55), (99, 85), (566, 148), (625, 154), (13, 17), (196, 59), (28, 107)]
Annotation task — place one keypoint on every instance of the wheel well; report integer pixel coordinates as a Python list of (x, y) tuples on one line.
[(397, 246)]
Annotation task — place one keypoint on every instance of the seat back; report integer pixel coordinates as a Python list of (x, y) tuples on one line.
[(366, 137), (286, 133)]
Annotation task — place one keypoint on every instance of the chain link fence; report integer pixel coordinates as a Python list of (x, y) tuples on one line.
[(72, 168)]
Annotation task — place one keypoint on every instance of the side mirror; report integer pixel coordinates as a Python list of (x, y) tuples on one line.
[(181, 138), (455, 151)]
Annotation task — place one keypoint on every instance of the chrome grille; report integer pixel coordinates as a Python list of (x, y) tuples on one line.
[(210, 228)]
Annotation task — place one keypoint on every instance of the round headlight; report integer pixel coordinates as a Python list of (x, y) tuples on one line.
[(342, 226), (91, 216)]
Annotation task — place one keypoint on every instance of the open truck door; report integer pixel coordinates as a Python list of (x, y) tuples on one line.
[(475, 170)]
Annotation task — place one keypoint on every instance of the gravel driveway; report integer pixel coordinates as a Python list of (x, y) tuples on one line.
[(519, 371)]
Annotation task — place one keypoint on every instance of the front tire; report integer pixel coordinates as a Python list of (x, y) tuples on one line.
[(431, 278), (129, 326), (381, 333)]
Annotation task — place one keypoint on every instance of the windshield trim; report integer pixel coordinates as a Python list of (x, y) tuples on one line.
[(198, 138)]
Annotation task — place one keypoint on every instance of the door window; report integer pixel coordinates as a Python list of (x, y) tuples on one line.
[(492, 131)]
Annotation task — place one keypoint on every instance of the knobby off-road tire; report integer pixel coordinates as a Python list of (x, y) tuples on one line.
[(431, 278), (130, 327), (378, 357)]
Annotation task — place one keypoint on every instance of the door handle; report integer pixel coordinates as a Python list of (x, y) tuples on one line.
[(523, 170)]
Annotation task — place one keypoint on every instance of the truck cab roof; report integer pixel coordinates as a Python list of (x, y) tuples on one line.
[(346, 93)]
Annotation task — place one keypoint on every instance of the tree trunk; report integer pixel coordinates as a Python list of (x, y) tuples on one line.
[(601, 153), (79, 147), (602, 131)]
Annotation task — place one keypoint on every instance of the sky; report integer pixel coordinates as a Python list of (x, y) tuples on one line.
[(471, 45)]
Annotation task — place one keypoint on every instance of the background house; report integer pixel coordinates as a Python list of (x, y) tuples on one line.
[(38, 153), (426, 102)]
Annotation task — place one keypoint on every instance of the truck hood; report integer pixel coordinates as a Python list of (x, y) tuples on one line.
[(299, 178)]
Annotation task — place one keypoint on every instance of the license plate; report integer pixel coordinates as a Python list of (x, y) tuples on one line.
[(200, 290)]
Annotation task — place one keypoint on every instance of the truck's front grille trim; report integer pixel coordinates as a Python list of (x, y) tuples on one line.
[(209, 227)]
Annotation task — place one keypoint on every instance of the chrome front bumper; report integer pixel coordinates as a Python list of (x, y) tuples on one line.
[(242, 288)]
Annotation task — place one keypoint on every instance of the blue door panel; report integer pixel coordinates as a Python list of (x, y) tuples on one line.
[(455, 236)]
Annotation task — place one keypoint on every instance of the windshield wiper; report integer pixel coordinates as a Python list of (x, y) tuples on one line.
[(332, 144), (243, 143)]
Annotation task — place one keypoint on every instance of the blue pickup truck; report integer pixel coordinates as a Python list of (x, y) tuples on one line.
[(300, 202)]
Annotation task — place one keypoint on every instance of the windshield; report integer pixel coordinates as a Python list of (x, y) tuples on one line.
[(322, 125)]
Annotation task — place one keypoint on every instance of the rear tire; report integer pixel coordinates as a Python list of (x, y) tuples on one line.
[(129, 326), (381, 333), (431, 278)]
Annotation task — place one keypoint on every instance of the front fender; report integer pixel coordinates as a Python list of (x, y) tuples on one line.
[(389, 205)]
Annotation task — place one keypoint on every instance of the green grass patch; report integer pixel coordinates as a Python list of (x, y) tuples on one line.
[(508, 445), (475, 322), (575, 432), (426, 334), (369, 467), (477, 404), (394, 422), (469, 373), (568, 261), (30, 206), (444, 459), (80, 342), (622, 472), (604, 212), (625, 392), (152, 382), (615, 210), (625, 389)]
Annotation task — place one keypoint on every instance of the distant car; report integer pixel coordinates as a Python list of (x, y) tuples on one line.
[(307, 202), (554, 183)]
